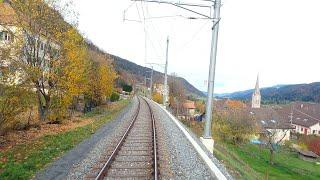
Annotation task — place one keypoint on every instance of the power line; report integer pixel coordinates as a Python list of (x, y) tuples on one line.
[(193, 37)]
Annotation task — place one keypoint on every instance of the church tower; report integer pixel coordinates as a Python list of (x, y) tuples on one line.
[(256, 96)]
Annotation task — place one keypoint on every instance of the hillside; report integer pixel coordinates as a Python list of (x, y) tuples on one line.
[(297, 92), (139, 72), (134, 73)]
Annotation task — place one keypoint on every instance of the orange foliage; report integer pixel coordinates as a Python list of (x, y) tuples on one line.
[(234, 104)]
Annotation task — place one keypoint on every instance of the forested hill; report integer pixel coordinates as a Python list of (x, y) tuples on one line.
[(123, 65), (134, 73), (297, 92)]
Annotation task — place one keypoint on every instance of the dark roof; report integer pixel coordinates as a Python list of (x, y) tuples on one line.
[(308, 153), (303, 114), (269, 118)]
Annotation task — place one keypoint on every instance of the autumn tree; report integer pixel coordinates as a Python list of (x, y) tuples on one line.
[(200, 106), (11, 105), (274, 135), (157, 97), (101, 81), (235, 126), (176, 92), (72, 78), (47, 52)]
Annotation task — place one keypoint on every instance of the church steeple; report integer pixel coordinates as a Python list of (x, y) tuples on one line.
[(256, 97), (257, 88)]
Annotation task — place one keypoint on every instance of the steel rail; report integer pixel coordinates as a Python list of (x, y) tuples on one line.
[(155, 162), (104, 169)]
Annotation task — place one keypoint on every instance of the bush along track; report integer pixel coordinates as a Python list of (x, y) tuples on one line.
[(24, 160)]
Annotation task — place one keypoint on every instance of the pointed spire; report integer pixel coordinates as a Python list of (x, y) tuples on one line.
[(257, 88), (256, 97)]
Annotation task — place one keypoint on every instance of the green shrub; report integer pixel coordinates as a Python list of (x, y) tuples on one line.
[(127, 88), (114, 97)]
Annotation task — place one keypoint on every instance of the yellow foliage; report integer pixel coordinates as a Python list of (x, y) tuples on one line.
[(107, 77), (75, 79), (200, 106), (71, 77), (101, 81), (157, 97)]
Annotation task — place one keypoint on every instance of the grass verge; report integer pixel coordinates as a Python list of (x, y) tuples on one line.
[(252, 162), (23, 161)]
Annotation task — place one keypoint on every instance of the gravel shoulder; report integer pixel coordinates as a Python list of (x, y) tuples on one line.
[(77, 162), (184, 160)]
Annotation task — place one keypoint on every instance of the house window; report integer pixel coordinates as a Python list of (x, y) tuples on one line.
[(314, 132), (301, 129), (5, 36)]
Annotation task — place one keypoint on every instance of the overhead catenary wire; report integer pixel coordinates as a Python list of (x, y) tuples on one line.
[(146, 35)]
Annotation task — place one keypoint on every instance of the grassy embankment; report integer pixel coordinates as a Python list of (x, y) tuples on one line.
[(24, 160), (252, 161)]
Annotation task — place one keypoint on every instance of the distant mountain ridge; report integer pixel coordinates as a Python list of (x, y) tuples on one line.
[(296, 92), (135, 73)]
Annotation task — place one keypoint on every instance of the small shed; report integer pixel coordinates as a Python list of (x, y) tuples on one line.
[(308, 155)]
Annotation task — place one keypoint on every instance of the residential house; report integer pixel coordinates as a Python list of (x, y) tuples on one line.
[(305, 117), (188, 110), (10, 32), (272, 124)]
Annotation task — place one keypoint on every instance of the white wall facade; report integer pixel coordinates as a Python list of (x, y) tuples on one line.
[(280, 135), (314, 129)]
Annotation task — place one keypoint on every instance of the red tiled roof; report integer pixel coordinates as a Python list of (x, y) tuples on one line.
[(189, 105)]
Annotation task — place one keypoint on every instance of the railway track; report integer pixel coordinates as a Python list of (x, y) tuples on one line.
[(135, 155)]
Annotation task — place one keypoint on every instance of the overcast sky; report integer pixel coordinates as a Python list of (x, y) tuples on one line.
[(279, 39)]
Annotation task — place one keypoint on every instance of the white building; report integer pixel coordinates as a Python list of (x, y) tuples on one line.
[(14, 37)]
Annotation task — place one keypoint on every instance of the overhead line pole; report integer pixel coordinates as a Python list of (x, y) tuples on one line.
[(165, 96), (151, 82), (213, 56), (207, 135)]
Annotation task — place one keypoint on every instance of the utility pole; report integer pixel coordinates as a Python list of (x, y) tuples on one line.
[(207, 135), (151, 82), (165, 94), (213, 56)]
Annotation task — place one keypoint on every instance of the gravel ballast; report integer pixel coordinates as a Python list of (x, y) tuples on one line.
[(184, 160), (78, 162), (178, 159)]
